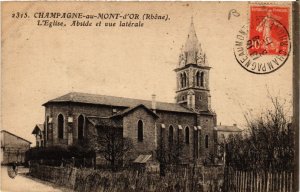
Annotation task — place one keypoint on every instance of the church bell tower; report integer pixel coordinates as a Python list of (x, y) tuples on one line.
[(192, 75)]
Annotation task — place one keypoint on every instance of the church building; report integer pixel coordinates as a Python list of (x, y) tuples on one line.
[(75, 117)]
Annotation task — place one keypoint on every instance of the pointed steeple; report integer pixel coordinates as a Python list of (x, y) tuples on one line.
[(192, 52), (191, 44)]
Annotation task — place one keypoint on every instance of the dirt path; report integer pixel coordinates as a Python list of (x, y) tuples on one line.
[(24, 184)]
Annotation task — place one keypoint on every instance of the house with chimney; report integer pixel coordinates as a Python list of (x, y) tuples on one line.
[(75, 117)]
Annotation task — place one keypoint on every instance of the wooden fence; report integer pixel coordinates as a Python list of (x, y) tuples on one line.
[(200, 179), (258, 181)]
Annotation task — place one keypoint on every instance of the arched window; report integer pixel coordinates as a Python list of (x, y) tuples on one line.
[(187, 135), (140, 131), (206, 141), (80, 126), (181, 80), (197, 79), (184, 80), (171, 134), (202, 79), (60, 126), (187, 80)]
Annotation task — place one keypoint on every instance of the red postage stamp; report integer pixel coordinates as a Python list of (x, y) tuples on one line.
[(269, 30)]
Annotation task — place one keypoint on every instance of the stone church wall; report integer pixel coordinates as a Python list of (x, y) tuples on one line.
[(175, 119), (74, 111), (130, 130), (207, 123)]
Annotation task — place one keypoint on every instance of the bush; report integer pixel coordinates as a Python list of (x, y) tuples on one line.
[(55, 155)]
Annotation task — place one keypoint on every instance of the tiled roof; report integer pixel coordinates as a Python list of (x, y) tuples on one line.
[(100, 121), (142, 159), (4, 131), (38, 128), (227, 128), (130, 109), (116, 101)]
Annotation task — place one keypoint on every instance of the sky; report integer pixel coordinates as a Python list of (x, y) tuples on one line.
[(41, 63)]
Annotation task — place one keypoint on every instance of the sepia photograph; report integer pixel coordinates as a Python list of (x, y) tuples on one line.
[(149, 96)]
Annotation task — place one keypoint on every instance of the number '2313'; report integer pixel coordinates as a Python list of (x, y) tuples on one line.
[(18, 15)]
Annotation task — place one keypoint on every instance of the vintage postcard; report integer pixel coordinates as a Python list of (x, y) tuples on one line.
[(149, 96)]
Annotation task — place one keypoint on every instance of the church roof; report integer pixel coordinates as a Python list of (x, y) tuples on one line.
[(87, 98), (104, 121), (130, 109)]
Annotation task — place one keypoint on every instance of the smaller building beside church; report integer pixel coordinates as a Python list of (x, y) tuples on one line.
[(39, 133), (13, 148), (223, 132)]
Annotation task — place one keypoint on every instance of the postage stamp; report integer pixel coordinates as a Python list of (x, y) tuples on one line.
[(269, 30), (264, 45)]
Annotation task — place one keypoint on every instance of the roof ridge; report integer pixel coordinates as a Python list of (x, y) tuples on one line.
[(16, 136), (98, 99), (96, 94)]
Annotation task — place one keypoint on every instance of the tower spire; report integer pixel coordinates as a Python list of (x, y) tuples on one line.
[(192, 47), (192, 74), (192, 42)]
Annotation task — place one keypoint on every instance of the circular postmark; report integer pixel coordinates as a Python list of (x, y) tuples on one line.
[(263, 48)]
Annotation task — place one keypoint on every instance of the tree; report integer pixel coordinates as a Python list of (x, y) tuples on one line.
[(170, 154), (112, 146), (269, 142)]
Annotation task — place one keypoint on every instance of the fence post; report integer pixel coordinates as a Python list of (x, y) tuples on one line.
[(244, 180), (262, 181), (271, 181), (251, 183), (291, 182), (288, 181), (237, 179), (279, 182), (241, 181), (256, 181), (284, 182)]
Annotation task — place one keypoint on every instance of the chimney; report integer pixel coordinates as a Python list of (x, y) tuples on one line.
[(154, 103)]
